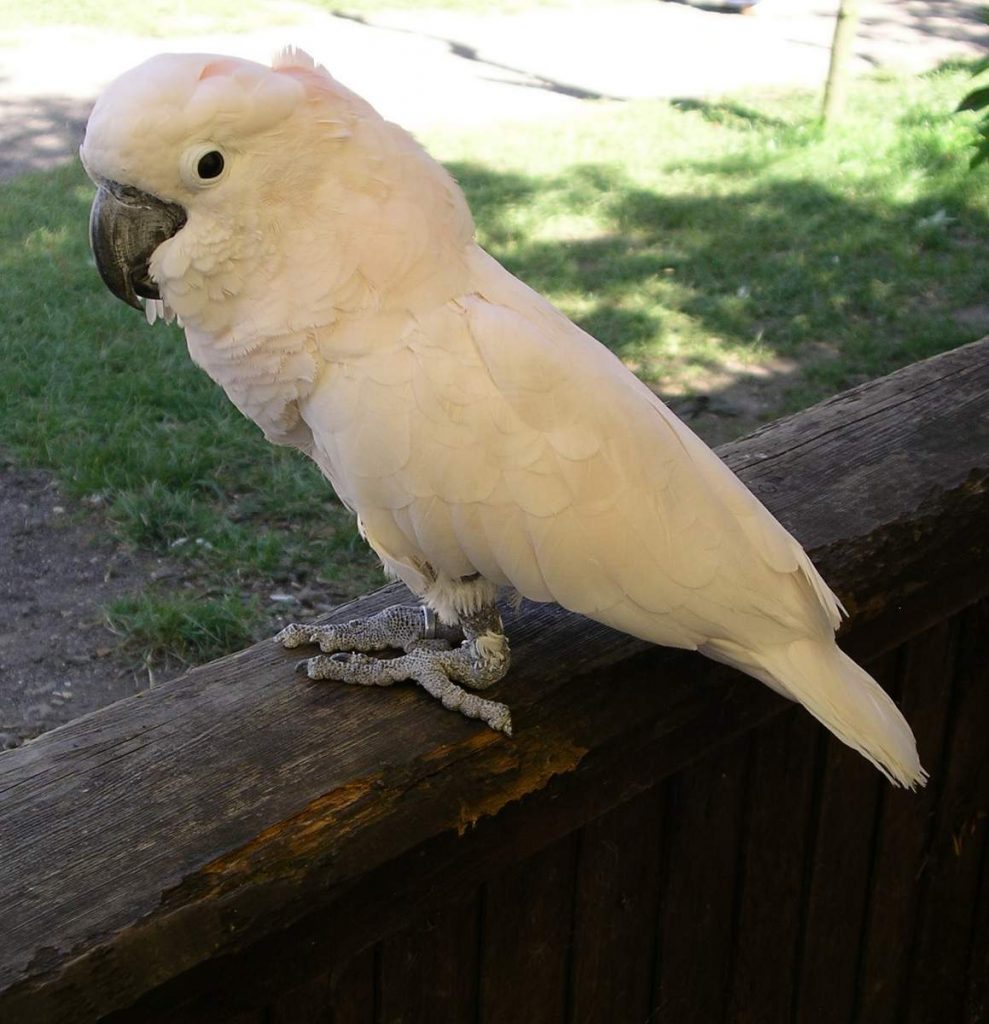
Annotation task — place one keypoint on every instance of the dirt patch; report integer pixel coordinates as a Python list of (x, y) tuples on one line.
[(736, 398), (58, 568), (975, 317)]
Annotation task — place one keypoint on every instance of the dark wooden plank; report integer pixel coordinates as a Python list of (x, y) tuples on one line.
[(307, 1004), (429, 974), (863, 559), (840, 864), (618, 881), (951, 882), (527, 923), (345, 995), (696, 933), (352, 991), (220, 809), (905, 823), (772, 875), (153, 1011), (977, 995)]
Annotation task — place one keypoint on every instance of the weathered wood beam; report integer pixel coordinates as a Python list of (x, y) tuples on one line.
[(156, 836)]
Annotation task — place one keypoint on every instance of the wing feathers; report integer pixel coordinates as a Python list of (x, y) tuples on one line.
[(509, 443)]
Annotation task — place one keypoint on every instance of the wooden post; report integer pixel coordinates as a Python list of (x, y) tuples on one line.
[(846, 24)]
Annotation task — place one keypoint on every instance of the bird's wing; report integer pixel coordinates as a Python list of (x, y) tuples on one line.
[(493, 436)]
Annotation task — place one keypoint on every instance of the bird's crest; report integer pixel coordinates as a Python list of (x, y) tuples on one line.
[(292, 57)]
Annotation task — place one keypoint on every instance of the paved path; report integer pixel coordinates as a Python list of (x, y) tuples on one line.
[(426, 67)]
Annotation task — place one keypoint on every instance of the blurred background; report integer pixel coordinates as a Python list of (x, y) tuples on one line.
[(660, 170)]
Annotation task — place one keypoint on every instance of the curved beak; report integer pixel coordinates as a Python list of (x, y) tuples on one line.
[(126, 225)]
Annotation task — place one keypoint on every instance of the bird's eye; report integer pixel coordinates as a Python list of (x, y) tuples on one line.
[(210, 165)]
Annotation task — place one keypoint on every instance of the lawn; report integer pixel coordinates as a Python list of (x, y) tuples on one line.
[(744, 264), (147, 18), (179, 17)]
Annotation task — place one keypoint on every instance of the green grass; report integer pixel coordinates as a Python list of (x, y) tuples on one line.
[(176, 626), (154, 18), (704, 242), (371, 7), (185, 17)]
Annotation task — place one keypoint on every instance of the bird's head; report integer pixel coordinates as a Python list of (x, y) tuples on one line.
[(214, 173), (178, 139)]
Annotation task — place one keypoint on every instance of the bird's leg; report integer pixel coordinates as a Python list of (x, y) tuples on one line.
[(478, 662)]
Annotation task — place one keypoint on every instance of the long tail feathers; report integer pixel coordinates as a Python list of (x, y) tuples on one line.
[(841, 695)]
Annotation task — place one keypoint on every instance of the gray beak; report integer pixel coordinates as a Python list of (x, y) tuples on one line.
[(126, 225)]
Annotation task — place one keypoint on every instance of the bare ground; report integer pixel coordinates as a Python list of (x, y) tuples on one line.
[(58, 568)]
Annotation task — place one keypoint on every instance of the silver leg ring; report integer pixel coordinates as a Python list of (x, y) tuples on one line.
[(428, 623)]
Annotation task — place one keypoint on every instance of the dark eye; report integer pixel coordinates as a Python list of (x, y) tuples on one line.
[(210, 164)]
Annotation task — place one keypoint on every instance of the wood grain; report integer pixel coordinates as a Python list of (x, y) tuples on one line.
[(846, 809), (770, 881), (696, 937), (954, 872), (526, 939), (905, 830), (616, 906), (429, 973)]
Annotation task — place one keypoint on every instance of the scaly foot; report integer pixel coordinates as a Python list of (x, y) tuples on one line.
[(429, 660)]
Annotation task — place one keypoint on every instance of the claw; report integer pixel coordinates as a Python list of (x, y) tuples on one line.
[(292, 635), (501, 722), (430, 660)]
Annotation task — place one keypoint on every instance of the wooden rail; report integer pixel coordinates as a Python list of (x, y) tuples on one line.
[(242, 846)]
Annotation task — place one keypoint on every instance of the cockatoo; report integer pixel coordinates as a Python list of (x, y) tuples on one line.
[(326, 274)]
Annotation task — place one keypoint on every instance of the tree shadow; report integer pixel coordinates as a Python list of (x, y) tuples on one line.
[(527, 78), (729, 113), (954, 20), (39, 133), (821, 288)]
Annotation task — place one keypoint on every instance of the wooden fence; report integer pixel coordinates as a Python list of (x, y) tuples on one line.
[(663, 840)]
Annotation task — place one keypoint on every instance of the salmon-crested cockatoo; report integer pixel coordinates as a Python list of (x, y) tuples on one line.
[(325, 271)]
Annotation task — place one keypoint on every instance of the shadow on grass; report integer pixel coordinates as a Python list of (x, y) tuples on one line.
[(527, 79), (824, 288), (730, 113), (40, 133)]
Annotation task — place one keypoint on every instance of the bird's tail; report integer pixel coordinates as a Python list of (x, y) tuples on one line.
[(841, 695)]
